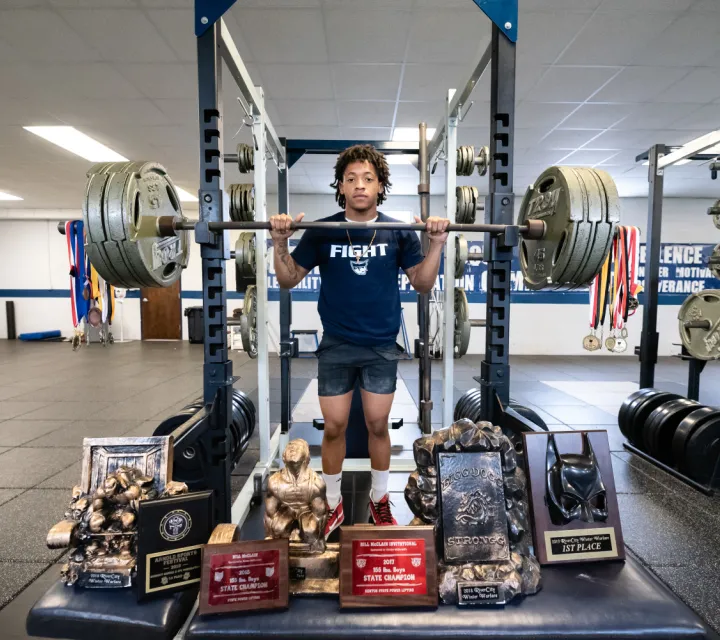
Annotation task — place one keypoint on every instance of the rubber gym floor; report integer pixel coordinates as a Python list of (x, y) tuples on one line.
[(52, 398)]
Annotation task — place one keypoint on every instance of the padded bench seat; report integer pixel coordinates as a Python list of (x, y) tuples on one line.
[(610, 601)]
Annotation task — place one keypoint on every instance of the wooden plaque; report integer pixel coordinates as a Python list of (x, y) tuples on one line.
[(593, 531), (388, 567), (244, 576)]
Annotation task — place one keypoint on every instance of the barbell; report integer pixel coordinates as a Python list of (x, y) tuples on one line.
[(136, 234)]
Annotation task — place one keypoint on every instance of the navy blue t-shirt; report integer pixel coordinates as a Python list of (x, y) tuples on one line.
[(359, 299)]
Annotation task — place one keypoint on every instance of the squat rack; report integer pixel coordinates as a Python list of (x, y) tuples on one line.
[(215, 44)]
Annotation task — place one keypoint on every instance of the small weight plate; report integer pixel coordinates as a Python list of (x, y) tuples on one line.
[(661, 425), (248, 323), (688, 425), (462, 323), (459, 206), (484, 161), (703, 344), (703, 450), (643, 411), (461, 256)]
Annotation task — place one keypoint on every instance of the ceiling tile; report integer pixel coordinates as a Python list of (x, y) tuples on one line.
[(18, 112), (639, 84), (79, 81), (586, 158), (676, 6), (597, 116), (448, 36), (526, 138), (366, 133), (43, 36), (570, 84), (699, 86), (371, 4), (107, 112), (546, 5), (296, 81), (161, 81), (366, 81), (366, 114), (646, 138), (545, 157), (107, 30), (544, 34), (431, 81), (475, 136), (168, 4), (614, 38), (672, 48), (357, 35), (612, 139), (541, 114), (281, 4), (180, 111), (306, 112), (707, 118), (622, 159), (282, 35), (568, 138), (411, 114), (177, 27), (653, 115)]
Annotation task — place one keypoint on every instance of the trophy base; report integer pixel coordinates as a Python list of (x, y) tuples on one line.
[(317, 574), (106, 572)]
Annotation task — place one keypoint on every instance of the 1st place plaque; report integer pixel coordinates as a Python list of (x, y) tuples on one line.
[(171, 533), (244, 576), (472, 503), (387, 567)]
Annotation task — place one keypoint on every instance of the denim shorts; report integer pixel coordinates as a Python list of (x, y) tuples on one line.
[(341, 364)]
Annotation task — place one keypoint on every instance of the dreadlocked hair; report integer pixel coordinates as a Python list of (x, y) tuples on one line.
[(361, 153)]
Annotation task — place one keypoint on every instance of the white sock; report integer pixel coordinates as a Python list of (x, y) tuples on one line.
[(379, 484), (332, 482)]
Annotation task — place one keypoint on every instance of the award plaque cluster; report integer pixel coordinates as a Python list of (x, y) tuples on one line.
[(488, 513)]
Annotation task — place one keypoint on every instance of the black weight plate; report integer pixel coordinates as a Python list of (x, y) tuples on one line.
[(527, 412), (643, 411), (462, 403), (661, 424), (628, 407), (703, 450), (686, 428)]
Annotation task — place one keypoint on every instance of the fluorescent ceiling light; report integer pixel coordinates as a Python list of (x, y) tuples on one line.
[(185, 196), (698, 145), (78, 143), (684, 161), (410, 134), (7, 196)]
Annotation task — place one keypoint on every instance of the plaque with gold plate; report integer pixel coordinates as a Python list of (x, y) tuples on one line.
[(244, 576), (573, 499), (388, 567), (171, 534)]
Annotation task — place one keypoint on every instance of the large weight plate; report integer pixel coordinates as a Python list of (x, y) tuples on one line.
[(576, 205), (702, 451), (661, 426), (119, 197), (628, 407), (461, 256), (703, 344), (248, 323), (461, 339), (687, 427), (642, 413)]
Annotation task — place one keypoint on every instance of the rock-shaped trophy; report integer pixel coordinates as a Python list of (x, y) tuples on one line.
[(468, 484), (296, 509)]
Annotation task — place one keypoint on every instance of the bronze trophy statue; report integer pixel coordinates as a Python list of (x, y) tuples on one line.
[(101, 521), (296, 509)]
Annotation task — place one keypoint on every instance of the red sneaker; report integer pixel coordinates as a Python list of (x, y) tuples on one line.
[(380, 512), (335, 519)]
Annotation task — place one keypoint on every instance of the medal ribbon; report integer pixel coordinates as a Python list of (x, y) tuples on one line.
[(74, 234), (620, 286)]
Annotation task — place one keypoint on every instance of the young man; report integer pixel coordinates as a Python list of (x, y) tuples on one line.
[(360, 311)]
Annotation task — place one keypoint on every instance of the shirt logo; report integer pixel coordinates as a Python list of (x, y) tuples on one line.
[(359, 255)]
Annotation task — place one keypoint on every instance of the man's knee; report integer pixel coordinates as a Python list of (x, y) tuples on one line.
[(334, 430), (377, 427)]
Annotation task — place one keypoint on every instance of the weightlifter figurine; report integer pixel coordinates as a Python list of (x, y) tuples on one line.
[(359, 307)]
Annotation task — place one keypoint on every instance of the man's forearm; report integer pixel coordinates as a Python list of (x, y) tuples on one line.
[(426, 272), (286, 269)]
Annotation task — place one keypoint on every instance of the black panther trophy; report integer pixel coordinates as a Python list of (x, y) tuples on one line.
[(572, 494)]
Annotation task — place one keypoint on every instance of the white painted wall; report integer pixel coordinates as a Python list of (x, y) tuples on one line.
[(33, 255)]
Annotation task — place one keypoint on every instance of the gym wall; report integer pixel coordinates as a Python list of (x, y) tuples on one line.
[(34, 266)]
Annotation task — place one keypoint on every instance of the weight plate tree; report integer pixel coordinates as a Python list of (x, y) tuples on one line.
[(699, 324), (660, 427)]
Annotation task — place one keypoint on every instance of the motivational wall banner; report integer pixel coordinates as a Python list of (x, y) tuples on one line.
[(683, 270)]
